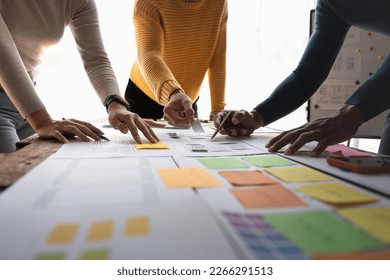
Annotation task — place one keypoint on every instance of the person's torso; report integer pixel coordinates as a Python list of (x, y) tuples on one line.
[(372, 15), (37, 24)]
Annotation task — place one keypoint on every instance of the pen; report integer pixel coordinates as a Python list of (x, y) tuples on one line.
[(221, 124), (103, 137), (100, 136)]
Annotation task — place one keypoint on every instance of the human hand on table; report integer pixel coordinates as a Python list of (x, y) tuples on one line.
[(178, 112), (240, 123), (46, 127), (126, 121), (339, 127)]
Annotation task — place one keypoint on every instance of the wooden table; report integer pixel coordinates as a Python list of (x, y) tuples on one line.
[(30, 153)]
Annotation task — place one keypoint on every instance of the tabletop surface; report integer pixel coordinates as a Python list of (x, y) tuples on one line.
[(29, 154)]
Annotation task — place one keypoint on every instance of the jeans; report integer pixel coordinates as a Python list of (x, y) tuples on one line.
[(384, 147), (13, 127)]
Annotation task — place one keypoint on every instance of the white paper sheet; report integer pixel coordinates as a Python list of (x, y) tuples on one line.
[(63, 184), (173, 233)]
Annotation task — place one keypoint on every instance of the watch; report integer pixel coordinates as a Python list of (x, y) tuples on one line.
[(116, 98)]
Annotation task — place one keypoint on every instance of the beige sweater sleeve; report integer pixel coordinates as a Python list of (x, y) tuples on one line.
[(20, 52)]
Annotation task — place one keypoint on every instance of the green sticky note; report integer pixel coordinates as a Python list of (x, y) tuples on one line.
[(321, 232), (95, 254), (51, 256), (222, 163), (268, 161)]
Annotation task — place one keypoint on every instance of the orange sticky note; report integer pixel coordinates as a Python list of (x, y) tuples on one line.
[(187, 178), (370, 255), (247, 178), (272, 196)]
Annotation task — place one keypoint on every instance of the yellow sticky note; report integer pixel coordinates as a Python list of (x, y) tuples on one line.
[(188, 178), (62, 234), (336, 193), (100, 231), (298, 174), (151, 146), (375, 221), (137, 226)]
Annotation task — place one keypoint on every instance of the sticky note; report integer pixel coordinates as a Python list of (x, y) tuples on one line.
[(375, 220), (62, 234), (151, 146), (271, 196), (222, 163), (321, 232), (137, 226), (343, 150), (95, 254), (187, 178), (268, 161), (246, 177), (370, 255), (50, 256), (297, 174), (336, 193), (100, 231)]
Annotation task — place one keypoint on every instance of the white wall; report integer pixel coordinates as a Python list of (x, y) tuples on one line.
[(265, 41)]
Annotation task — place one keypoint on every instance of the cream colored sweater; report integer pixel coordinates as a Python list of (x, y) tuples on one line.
[(27, 27)]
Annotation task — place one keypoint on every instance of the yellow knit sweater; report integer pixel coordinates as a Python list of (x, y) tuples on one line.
[(178, 41)]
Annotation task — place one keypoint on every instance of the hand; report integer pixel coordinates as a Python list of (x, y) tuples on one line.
[(241, 123), (126, 121), (339, 127), (178, 112), (212, 115), (46, 127)]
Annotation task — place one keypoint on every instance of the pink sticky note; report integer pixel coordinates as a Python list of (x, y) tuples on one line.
[(343, 150)]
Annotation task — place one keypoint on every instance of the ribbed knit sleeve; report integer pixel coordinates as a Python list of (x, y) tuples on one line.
[(177, 43), (14, 77), (217, 69), (27, 28), (86, 31)]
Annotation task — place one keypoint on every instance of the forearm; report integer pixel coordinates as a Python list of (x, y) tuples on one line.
[(39, 118), (313, 69), (86, 31), (13, 75), (294, 91), (373, 97), (217, 72), (217, 90), (150, 47)]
